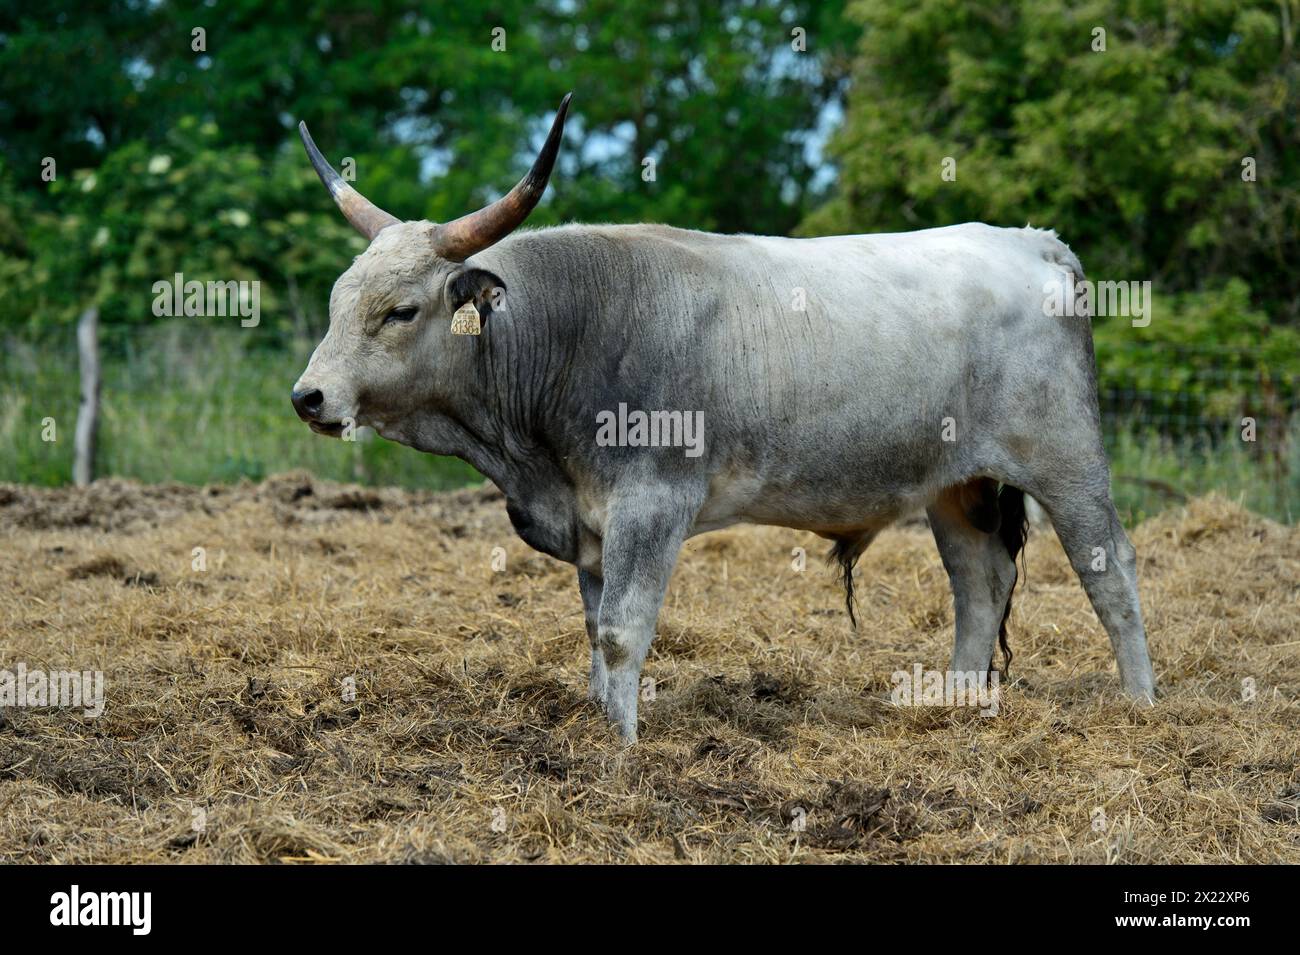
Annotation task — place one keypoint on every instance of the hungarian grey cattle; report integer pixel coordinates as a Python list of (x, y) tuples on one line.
[(834, 384)]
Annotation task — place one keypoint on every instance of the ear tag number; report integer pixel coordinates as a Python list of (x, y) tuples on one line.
[(465, 321)]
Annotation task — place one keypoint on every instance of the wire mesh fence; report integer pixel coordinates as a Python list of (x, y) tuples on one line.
[(1205, 420)]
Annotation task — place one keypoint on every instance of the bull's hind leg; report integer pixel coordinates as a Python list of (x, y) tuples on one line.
[(590, 586), (965, 523), (1101, 554)]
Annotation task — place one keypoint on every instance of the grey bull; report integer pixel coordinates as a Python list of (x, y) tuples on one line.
[(837, 382)]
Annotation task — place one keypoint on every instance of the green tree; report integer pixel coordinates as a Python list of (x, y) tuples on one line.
[(1133, 152), (714, 93)]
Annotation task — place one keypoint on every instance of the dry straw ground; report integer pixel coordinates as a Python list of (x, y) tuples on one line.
[(470, 739)]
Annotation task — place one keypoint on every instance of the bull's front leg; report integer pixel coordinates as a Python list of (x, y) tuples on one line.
[(641, 542)]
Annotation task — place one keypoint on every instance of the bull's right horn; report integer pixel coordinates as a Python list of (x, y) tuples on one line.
[(366, 217)]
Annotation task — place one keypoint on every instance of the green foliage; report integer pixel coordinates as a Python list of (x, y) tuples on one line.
[(1213, 347), (189, 204), (713, 92)]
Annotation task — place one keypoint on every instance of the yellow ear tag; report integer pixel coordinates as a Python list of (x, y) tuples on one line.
[(465, 321)]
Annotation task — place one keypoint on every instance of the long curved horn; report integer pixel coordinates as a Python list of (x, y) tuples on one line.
[(366, 217), (459, 239)]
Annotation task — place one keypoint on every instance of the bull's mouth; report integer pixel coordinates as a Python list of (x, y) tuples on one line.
[(331, 429)]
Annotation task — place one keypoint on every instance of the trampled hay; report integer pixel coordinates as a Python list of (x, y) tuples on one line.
[(349, 680)]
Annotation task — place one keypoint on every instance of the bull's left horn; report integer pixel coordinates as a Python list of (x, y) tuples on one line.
[(366, 217), (459, 239)]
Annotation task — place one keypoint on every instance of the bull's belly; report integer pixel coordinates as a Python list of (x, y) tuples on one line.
[(834, 509)]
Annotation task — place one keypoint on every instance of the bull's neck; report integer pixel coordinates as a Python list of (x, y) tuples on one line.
[(512, 397)]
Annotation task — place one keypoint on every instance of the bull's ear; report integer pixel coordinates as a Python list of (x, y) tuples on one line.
[(479, 286)]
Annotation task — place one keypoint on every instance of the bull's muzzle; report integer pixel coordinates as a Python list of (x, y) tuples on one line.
[(309, 404)]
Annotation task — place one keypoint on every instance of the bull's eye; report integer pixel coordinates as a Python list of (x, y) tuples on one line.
[(403, 313)]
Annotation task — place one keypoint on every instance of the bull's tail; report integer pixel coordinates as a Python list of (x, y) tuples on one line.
[(1013, 528), (845, 554)]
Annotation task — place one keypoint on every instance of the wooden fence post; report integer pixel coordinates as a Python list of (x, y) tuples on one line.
[(83, 464)]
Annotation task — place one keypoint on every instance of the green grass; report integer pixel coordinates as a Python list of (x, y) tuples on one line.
[(1150, 471), (188, 404), (199, 405)]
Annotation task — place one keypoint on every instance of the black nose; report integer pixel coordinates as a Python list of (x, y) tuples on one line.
[(308, 404)]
